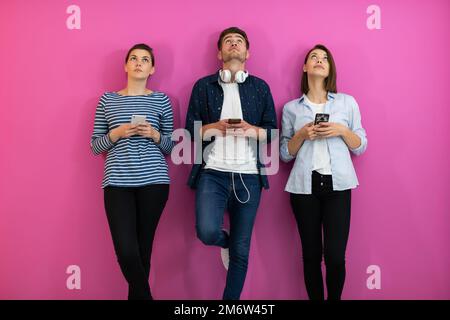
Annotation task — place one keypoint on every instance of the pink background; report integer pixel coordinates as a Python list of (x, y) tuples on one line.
[(51, 203)]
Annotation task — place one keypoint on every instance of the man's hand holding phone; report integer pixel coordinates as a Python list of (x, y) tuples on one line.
[(223, 127), (233, 126), (240, 127), (213, 129)]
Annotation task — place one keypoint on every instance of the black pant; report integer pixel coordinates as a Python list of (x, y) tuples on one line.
[(331, 210), (133, 215)]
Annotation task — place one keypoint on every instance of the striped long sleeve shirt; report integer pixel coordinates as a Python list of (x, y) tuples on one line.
[(134, 161)]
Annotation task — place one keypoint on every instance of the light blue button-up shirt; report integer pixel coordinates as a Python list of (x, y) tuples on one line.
[(297, 113)]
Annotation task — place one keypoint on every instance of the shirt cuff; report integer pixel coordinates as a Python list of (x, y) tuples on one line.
[(285, 155)]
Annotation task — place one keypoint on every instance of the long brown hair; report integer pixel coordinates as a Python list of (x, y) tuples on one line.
[(330, 81)]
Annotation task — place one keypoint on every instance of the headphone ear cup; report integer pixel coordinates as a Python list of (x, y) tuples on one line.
[(241, 76), (238, 76), (225, 75)]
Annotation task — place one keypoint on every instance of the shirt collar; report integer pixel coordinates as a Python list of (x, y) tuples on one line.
[(330, 96), (214, 77)]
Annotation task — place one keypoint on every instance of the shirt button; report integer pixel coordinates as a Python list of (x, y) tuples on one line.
[(321, 183)]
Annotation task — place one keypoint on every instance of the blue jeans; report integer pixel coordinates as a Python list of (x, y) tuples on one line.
[(215, 195)]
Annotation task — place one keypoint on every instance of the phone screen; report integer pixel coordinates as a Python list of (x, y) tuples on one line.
[(137, 119), (321, 117)]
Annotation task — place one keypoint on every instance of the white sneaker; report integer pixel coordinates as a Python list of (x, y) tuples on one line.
[(225, 253)]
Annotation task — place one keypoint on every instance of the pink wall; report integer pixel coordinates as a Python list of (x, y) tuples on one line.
[(51, 203)]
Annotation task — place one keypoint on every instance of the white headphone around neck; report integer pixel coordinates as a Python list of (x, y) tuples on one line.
[(239, 77)]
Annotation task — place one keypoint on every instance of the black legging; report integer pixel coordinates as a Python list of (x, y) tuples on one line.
[(330, 209), (133, 214)]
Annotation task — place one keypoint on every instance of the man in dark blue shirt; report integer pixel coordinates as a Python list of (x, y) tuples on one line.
[(233, 113)]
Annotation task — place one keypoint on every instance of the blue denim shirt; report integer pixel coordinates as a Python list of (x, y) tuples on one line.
[(343, 109), (206, 104)]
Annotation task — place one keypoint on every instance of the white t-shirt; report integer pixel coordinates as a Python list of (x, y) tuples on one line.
[(230, 153), (321, 155)]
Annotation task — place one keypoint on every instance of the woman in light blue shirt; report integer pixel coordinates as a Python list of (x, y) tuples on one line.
[(323, 175)]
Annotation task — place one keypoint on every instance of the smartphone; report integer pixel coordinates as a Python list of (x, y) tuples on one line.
[(137, 119), (321, 117), (234, 121)]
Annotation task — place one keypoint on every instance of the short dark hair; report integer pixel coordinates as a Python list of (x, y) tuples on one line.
[(232, 30), (142, 46), (330, 81)]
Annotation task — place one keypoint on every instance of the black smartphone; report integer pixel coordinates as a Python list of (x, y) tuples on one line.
[(321, 117), (234, 121)]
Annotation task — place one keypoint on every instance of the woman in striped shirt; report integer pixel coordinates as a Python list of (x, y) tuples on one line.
[(136, 180)]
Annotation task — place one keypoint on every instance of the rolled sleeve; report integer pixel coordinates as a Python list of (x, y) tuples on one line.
[(287, 132), (269, 117), (357, 128)]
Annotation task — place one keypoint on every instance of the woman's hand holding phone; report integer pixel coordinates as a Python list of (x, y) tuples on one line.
[(146, 130), (125, 130), (307, 132), (330, 129)]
